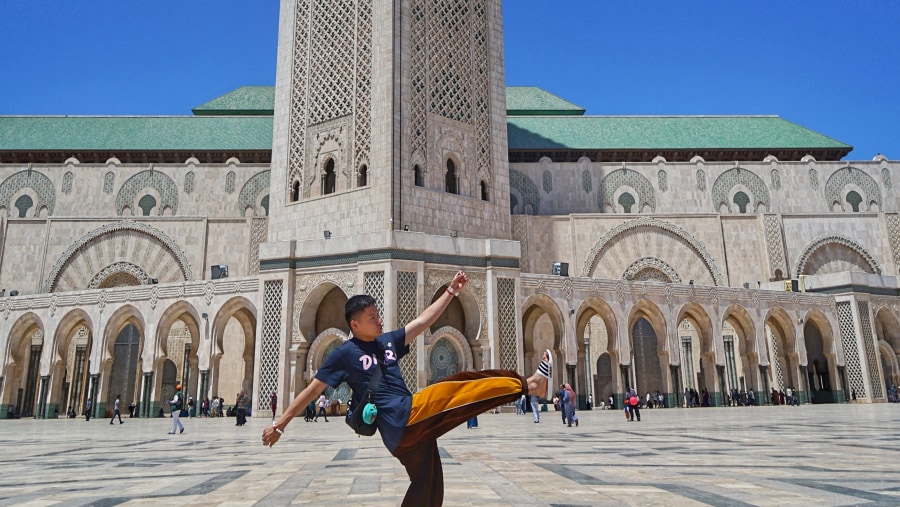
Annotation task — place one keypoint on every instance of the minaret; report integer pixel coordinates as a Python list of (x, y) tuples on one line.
[(389, 173), (390, 115)]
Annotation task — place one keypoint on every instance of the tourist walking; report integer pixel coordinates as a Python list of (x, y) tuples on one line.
[(176, 404), (116, 410)]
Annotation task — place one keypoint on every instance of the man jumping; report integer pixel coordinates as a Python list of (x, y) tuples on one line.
[(410, 424)]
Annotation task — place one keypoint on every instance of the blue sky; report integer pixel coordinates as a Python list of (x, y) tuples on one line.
[(830, 65)]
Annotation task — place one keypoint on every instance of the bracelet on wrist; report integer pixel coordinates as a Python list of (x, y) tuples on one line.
[(451, 291), (277, 429)]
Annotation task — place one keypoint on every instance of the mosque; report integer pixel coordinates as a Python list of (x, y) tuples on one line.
[(217, 249)]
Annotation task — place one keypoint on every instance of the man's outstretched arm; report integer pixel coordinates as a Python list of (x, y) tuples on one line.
[(312, 391), (431, 314)]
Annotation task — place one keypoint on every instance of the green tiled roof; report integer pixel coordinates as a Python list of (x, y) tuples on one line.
[(533, 101), (662, 133), (135, 133), (246, 100)]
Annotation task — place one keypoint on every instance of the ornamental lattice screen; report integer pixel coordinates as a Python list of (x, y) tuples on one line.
[(406, 312), (506, 292), (271, 332), (869, 347), (851, 348)]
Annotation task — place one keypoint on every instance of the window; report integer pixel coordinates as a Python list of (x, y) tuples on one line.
[(742, 200), (295, 191), (265, 204), (147, 203), (329, 180), (450, 178), (484, 191), (362, 178), (419, 176), (627, 201), (23, 204), (854, 199)]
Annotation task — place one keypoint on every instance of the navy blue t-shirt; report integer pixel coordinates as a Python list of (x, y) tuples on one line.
[(355, 361)]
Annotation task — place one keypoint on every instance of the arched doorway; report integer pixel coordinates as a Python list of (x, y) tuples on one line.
[(741, 354), (819, 365), (169, 381), (542, 329), (597, 349), (783, 360), (887, 331), (648, 376), (125, 369), (703, 374), (232, 364)]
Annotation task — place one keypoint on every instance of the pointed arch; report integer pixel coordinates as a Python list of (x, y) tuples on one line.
[(803, 261), (600, 248)]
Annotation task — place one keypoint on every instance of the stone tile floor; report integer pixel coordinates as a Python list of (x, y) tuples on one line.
[(825, 455)]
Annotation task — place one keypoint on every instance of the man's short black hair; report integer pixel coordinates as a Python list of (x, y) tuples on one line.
[(356, 305)]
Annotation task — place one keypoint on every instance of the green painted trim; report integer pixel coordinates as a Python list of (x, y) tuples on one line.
[(388, 254), (862, 289)]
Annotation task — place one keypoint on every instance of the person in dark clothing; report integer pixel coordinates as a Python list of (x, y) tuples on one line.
[(410, 424)]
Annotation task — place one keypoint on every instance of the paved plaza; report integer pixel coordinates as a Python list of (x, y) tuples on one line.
[(811, 455)]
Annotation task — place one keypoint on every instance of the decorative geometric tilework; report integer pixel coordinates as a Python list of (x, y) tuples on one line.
[(527, 190), (587, 182), (115, 274), (68, 178), (374, 286), (418, 111), (271, 339), (837, 239), (406, 312), (506, 300), (886, 178), (776, 361), (701, 180), (851, 348), (444, 361), (189, 182), (520, 234), (363, 117), (814, 179), (331, 69), (450, 59), (619, 178), (662, 179), (651, 269), (548, 182), (721, 189), (229, 182), (129, 232), (593, 258), (36, 181), (869, 347), (776, 179), (481, 78), (331, 79), (160, 182), (249, 196), (259, 228), (893, 227), (299, 102), (775, 246), (109, 180), (837, 183)]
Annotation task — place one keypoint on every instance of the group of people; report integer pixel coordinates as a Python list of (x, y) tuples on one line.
[(785, 397), (564, 401)]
